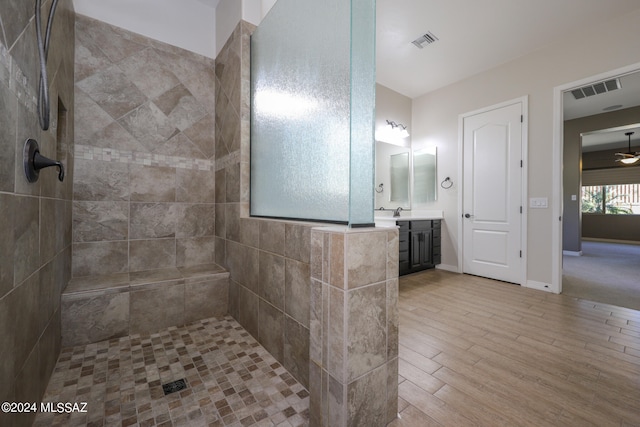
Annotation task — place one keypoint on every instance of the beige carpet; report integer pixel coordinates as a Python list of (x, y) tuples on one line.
[(606, 272)]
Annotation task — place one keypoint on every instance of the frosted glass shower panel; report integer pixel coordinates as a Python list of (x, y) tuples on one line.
[(300, 112), (363, 100)]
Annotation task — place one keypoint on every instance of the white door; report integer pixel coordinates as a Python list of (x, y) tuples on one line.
[(492, 194)]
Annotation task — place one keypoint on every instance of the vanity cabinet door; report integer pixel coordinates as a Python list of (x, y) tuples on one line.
[(421, 250), (419, 245)]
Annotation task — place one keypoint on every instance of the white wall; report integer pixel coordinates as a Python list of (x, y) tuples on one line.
[(575, 57), (230, 12), (169, 21)]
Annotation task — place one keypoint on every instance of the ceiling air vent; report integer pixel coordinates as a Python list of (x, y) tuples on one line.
[(426, 38), (596, 88)]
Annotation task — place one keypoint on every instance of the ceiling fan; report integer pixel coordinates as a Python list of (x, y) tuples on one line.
[(628, 158)]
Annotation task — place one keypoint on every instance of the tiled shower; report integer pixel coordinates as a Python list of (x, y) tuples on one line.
[(35, 219), (155, 204)]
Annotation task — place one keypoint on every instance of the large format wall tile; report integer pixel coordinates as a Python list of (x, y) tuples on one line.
[(113, 258), (153, 184), (272, 274), (148, 71), (7, 242), (155, 309), (145, 137), (151, 254), (26, 255), (35, 239), (149, 220), (9, 108), (298, 288), (195, 251), (98, 221), (271, 329), (206, 299), (100, 318), (113, 92), (101, 181)]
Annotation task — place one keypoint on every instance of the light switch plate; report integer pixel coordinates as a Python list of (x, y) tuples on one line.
[(538, 202)]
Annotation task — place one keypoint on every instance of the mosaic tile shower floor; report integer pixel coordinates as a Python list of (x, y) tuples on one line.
[(232, 381)]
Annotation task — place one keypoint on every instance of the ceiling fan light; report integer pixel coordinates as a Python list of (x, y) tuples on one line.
[(629, 160)]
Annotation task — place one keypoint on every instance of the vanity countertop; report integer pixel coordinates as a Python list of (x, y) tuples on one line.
[(386, 218)]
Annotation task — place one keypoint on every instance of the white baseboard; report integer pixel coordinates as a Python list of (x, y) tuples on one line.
[(572, 253), (447, 267), (626, 242), (541, 286)]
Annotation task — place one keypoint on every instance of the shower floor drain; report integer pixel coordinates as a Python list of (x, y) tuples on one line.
[(174, 386)]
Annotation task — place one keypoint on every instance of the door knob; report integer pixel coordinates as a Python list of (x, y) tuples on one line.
[(467, 215)]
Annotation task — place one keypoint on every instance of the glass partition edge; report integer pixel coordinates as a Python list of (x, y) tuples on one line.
[(362, 144)]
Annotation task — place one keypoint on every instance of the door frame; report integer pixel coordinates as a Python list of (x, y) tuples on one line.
[(524, 101), (558, 162)]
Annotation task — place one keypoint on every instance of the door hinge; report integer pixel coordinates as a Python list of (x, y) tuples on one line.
[(520, 254), (520, 209), (521, 163), (521, 118)]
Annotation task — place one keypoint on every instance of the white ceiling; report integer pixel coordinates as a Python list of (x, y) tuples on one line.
[(210, 3), (474, 35), (477, 35), (614, 138)]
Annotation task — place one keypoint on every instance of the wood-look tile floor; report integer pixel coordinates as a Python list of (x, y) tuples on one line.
[(479, 352)]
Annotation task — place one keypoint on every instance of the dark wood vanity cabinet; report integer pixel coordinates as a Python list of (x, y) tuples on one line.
[(419, 245)]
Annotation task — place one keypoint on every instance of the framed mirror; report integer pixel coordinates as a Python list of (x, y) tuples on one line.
[(393, 176), (424, 175), (399, 171)]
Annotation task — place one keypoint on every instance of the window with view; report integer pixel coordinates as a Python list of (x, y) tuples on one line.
[(621, 199)]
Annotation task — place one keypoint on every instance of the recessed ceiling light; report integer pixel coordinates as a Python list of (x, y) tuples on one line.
[(612, 107)]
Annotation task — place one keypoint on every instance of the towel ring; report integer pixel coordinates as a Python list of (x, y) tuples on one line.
[(447, 183)]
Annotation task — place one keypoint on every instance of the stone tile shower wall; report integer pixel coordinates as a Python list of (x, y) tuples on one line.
[(35, 218), (269, 260), (144, 184)]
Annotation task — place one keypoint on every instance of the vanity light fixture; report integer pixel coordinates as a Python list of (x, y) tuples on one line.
[(398, 129), (392, 133)]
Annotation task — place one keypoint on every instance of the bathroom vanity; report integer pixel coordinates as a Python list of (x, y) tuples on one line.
[(419, 243)]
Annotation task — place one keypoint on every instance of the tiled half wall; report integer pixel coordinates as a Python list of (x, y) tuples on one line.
[(270, 264), (354, 327)]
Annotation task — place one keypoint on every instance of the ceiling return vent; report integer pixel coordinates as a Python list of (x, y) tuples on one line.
[(596, 88), (427, 38)]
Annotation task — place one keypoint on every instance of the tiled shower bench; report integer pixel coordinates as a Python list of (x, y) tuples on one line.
[(97, 308)]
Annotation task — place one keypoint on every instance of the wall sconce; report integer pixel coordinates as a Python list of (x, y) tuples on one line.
[(392, 133)]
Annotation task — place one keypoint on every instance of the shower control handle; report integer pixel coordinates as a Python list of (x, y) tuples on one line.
[(34, 161), (41, 162)]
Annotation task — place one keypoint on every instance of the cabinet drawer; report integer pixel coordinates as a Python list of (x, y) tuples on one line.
[(403, 225), (421, 224)]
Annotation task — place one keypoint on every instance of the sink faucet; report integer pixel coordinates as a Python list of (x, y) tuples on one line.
[(396, 213)]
